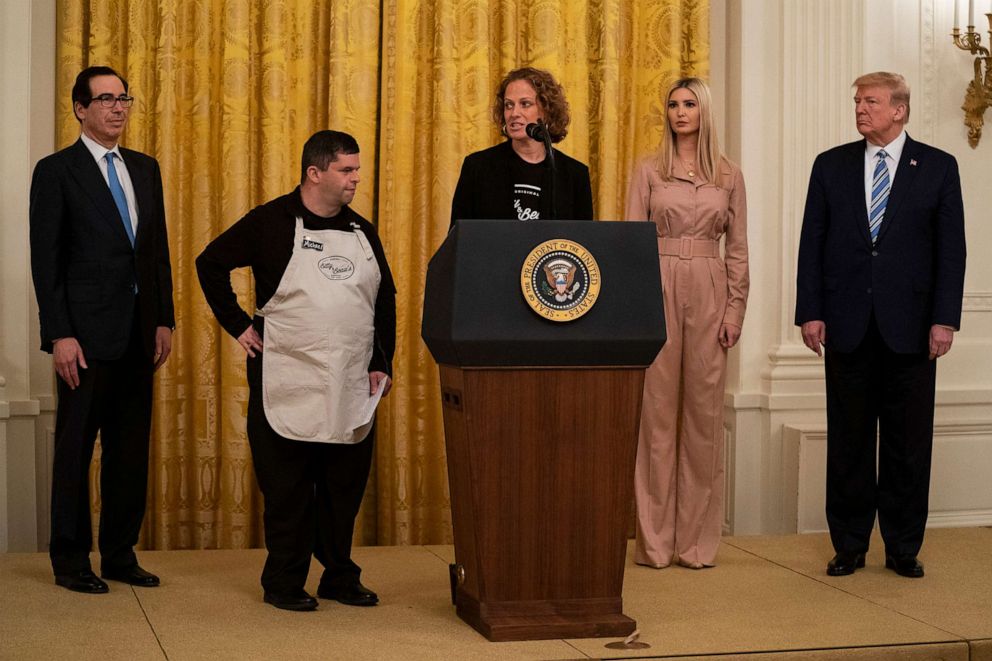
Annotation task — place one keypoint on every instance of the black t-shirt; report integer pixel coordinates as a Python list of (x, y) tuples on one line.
[(527, 179), (486, 184)]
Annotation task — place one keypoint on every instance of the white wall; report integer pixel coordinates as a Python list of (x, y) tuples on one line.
[(787, 67), (27, 78), (781, 74)]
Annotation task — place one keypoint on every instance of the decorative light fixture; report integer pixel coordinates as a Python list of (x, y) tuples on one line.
[(978, 96)]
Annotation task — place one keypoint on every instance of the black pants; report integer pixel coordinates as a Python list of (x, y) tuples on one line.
[(312, 493), (869, 390), (113, 398)]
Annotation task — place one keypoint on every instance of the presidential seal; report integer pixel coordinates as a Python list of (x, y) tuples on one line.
[(560, 280)]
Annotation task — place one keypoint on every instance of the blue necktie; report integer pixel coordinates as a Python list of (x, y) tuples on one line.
[(118, 192), (879, 195)]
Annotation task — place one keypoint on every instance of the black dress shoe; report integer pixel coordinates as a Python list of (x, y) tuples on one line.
[(133, 575), (351, 594), (82, 581), (294, 600), (844, 563), (904, 565)]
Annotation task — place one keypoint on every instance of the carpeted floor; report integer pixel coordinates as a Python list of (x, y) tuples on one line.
[(767, 600)]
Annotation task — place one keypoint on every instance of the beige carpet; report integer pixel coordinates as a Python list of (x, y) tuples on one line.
[(767, 600)]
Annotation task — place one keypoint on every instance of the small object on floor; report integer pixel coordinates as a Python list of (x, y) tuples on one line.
[(904, 565), (82, 581), (350, 594), (133, 575), (631, 642), (294, 600), (844, 563)]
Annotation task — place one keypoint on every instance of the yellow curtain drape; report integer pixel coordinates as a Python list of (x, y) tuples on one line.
[(228, 91), (442, 62)]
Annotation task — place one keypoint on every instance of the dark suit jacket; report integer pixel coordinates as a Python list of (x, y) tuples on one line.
[(485, 186), (912, 278), (82, 262)]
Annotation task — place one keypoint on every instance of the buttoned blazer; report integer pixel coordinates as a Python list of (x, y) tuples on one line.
[(82, 262), (912, 278)]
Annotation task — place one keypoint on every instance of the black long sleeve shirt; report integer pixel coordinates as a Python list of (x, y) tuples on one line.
[(263, 241)]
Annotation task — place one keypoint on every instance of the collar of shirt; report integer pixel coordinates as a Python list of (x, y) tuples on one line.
[(894, 153), (893, 149), (99, 151), (345, 220)]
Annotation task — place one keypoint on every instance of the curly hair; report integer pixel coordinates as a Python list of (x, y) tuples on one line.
[(550, 95)]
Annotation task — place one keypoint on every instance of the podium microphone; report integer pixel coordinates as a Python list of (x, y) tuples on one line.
[(539, 132)]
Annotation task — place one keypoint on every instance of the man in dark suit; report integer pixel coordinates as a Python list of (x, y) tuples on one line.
[(100, 264), (880, 284)]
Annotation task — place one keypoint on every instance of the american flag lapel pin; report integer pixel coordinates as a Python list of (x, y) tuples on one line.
[(912, 162)]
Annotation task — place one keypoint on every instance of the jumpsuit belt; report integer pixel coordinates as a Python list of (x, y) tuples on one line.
[(686, 247)]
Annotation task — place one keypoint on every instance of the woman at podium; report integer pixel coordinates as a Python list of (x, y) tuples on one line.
[(524, 177), (695, 196)]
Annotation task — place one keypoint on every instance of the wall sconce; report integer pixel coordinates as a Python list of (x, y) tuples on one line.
[(978, 96)]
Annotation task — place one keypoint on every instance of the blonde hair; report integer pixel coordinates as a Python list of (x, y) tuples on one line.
[(895, 83), (708, 154)]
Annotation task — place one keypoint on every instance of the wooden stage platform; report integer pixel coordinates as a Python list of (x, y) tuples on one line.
[(768, 599)]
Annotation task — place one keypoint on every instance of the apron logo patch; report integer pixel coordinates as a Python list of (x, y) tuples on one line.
[(312, 245), (336, 267)]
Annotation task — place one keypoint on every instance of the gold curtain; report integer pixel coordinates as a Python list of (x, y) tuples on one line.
[(228, 91)]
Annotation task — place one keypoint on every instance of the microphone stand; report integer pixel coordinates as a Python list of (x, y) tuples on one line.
[(540, 132), (551, 157)]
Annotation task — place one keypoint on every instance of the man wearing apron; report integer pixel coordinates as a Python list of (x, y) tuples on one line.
[(319, 351)]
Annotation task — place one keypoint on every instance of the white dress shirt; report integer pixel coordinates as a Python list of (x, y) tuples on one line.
[(100, 154), (893, 151)]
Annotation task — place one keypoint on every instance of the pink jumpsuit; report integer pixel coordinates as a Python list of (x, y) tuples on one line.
[(679, 474)]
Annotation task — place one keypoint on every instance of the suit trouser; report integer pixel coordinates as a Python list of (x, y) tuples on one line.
[(312, 494), (869, 390), (114, 398)]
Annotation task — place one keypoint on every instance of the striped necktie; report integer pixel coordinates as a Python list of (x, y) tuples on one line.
[(879, 195)]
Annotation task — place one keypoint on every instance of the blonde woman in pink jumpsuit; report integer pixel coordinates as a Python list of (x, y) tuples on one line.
[(695, 196)]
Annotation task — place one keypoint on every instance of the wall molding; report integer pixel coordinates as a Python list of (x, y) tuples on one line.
[(956, 495), (737, 402), (23, 408), (977, 301), (960, 519)]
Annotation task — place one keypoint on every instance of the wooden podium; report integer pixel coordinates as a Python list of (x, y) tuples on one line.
[(541, 421)]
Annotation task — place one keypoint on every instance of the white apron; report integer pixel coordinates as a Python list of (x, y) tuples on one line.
[(318, 338)]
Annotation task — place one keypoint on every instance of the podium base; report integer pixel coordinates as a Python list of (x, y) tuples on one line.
[(545, 619), (544, 627)]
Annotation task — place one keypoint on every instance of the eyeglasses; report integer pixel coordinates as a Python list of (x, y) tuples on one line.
[(109, 100)]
